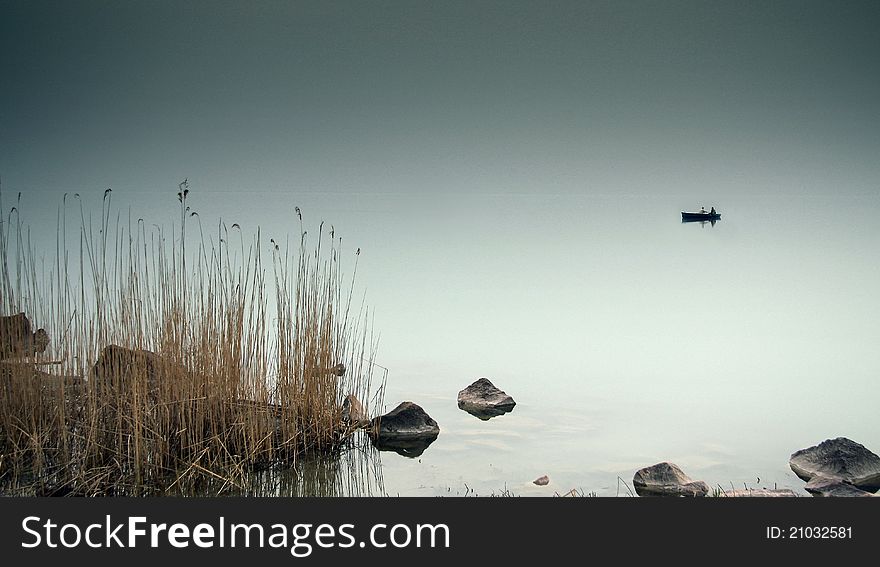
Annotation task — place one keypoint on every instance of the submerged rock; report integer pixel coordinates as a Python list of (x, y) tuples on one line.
[(542, 480), (353, 412), (666, 479), (483, 400), (822, 486), (760, 493), (407, 430), (16, 338), (838, 459)]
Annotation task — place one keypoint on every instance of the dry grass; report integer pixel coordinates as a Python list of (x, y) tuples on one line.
[(240, 378)]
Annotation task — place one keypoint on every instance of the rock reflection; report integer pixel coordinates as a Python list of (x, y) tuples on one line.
[(408, 447), (487, 413)]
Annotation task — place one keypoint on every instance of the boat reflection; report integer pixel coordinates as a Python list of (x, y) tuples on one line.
[(702, 222)]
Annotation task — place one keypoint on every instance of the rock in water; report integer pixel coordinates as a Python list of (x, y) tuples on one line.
[(406, 421), (353, 412), (483, 400), (542, 480), (406, 429), (666, 479), (838, 459)]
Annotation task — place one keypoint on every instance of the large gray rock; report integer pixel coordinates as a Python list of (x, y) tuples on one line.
[(483, 400), (406, 421), (407, 447), (838, 459), (822, 486), (666, 479), (16, 338), (760, 493), (407, 430)]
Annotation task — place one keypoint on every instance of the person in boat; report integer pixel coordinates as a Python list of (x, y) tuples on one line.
[(702, 209), (712, 212)]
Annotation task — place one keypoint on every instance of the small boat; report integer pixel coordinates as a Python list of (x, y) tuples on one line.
[(699, 216)]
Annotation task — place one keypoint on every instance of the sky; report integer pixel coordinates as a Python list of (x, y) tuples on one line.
[(422, 98)]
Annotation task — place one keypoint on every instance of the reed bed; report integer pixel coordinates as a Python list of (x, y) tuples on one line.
[(179, 358)]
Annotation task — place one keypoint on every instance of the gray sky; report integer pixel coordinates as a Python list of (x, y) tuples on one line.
[(400, 97)]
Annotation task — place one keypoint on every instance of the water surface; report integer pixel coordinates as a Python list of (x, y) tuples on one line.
[(627, 337)]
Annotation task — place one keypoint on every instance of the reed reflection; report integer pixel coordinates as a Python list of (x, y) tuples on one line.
[(356, 470)]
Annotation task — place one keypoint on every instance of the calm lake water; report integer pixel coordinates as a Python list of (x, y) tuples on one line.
[(626, 336)]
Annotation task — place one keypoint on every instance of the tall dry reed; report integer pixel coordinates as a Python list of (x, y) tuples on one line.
[(177, 357)]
